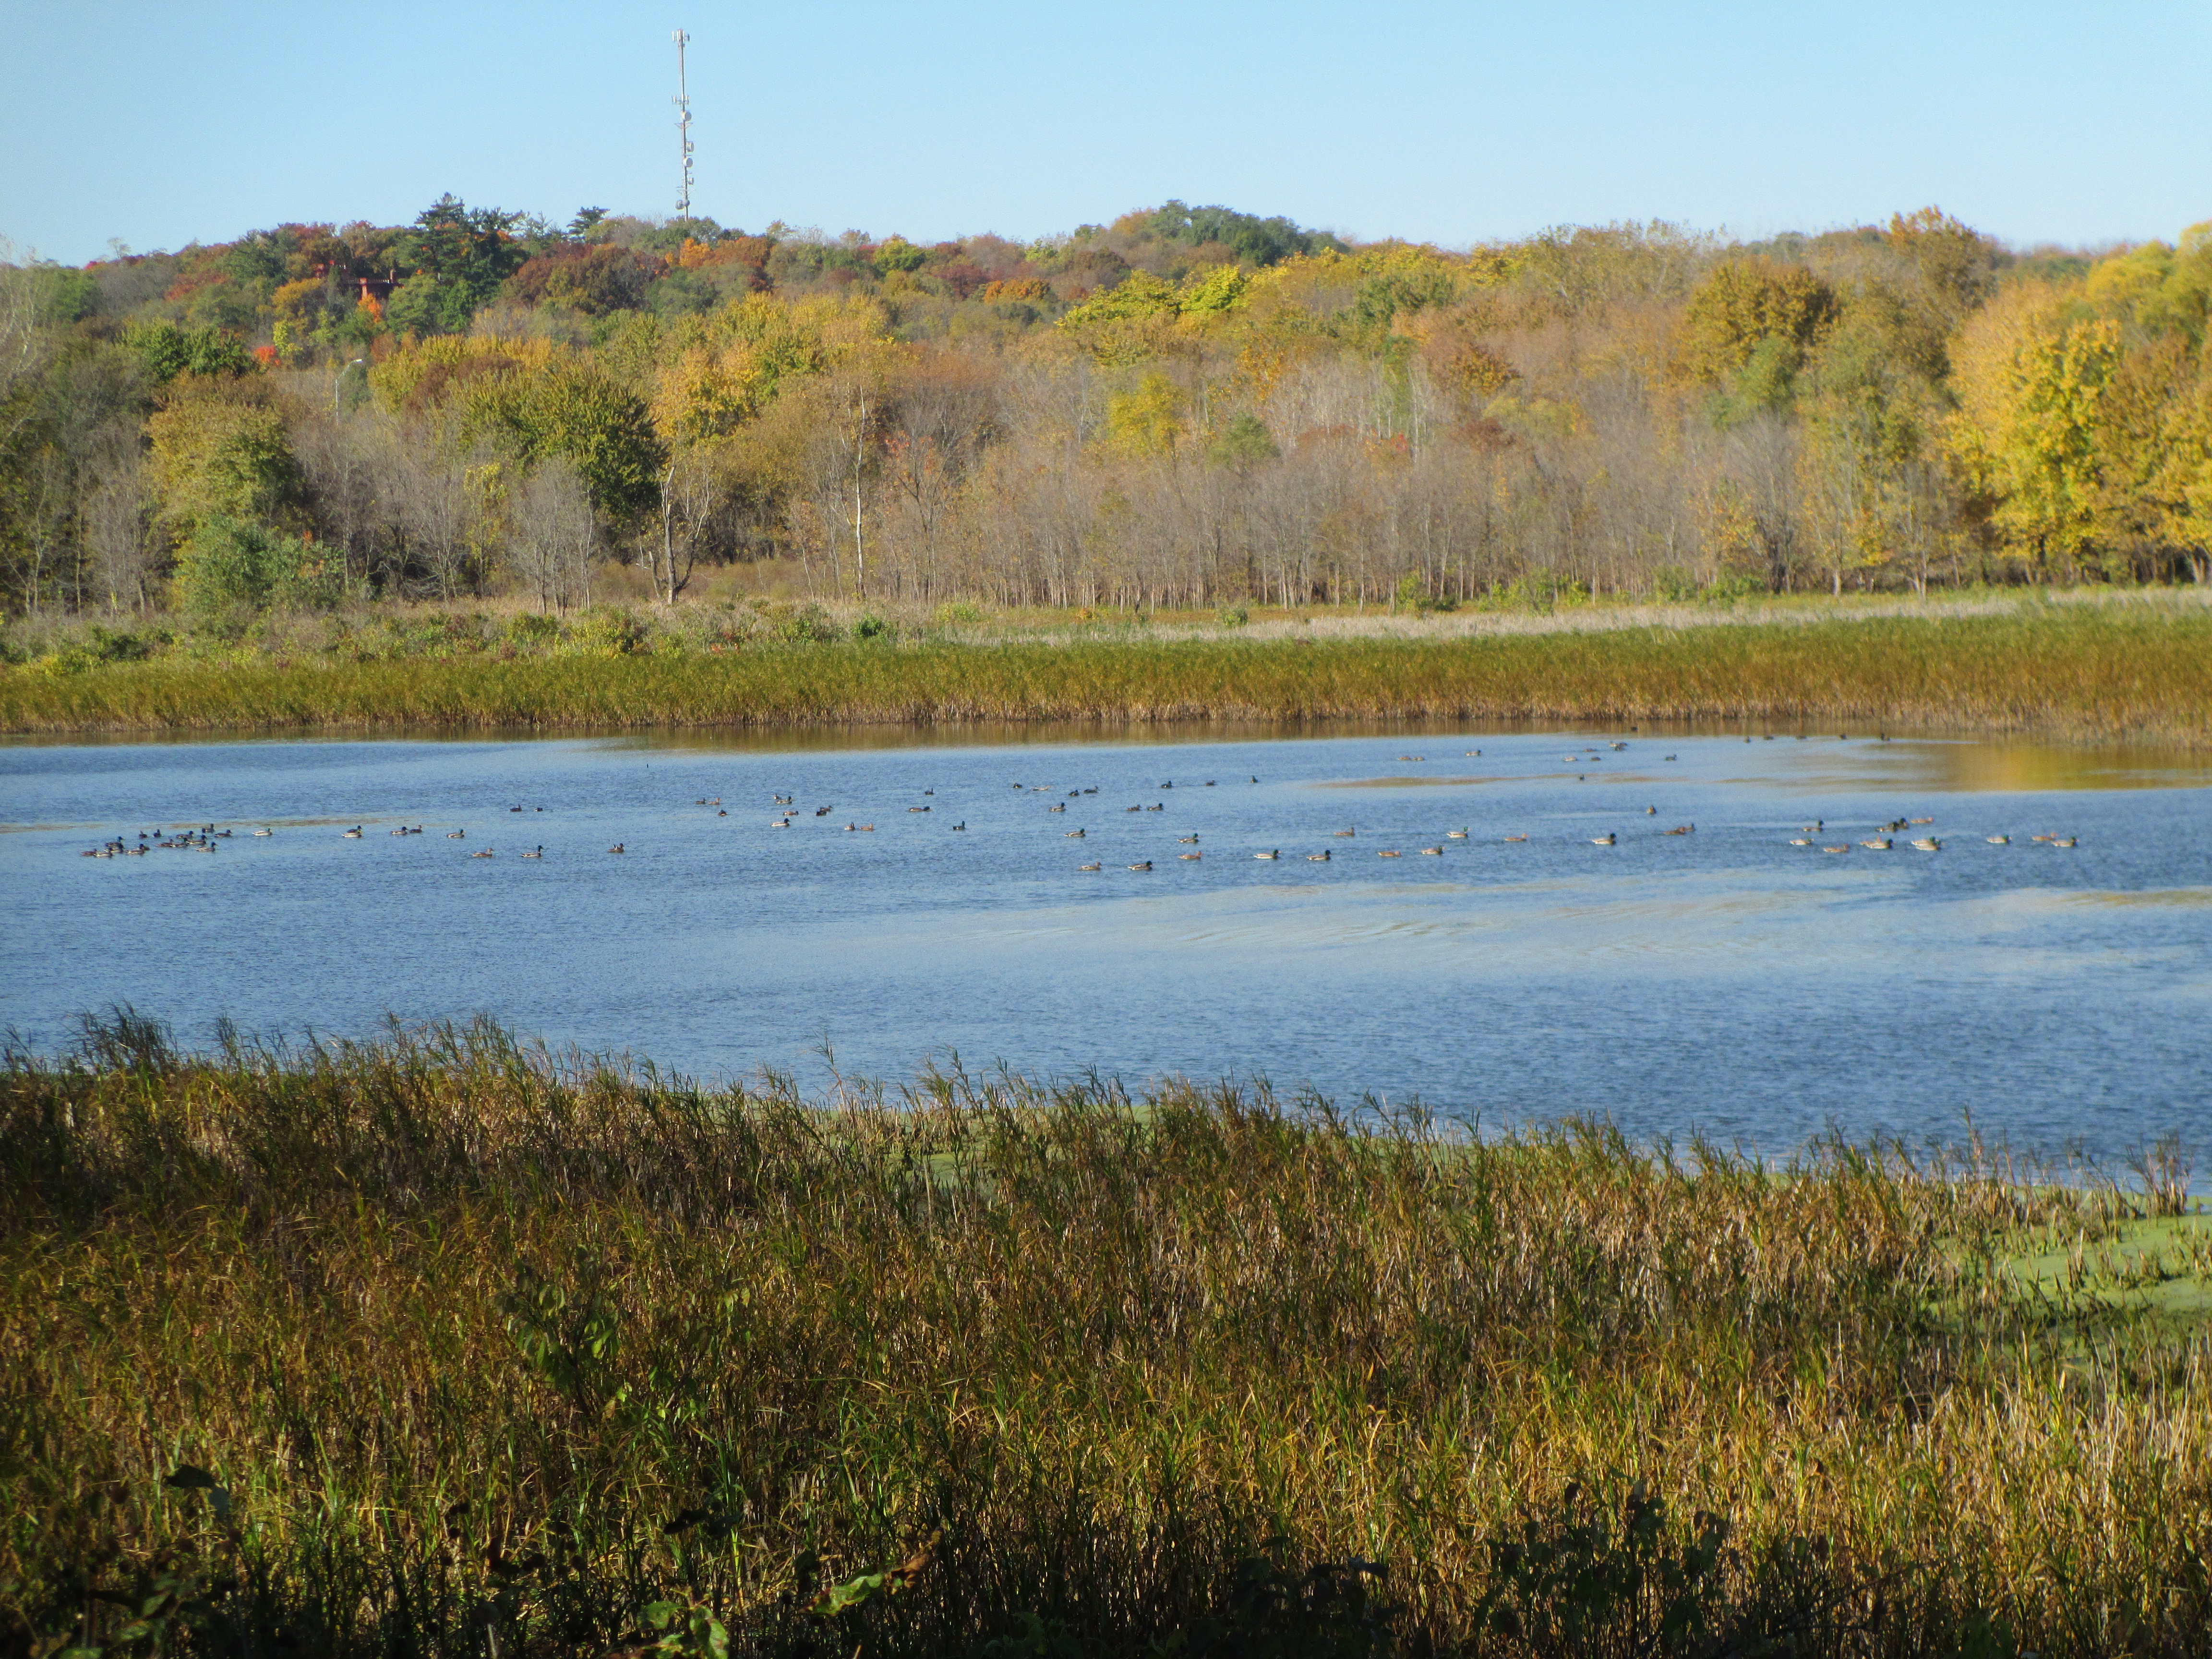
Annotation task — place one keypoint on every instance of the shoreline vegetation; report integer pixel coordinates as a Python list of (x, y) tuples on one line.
[(442, 1344), (2135, 666)]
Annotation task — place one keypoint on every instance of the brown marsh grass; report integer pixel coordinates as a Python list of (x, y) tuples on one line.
[(443, 1345), (2069, 671)]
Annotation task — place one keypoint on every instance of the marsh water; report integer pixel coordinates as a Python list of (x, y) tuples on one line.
[(1722, 981)]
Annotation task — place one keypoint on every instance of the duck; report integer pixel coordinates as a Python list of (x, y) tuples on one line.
[(616, 847), (539, 854), (725, 812), (1077, 835), (2063, 841), (353, 834), (1516, 838), (1145, 863), (1474, 754), (1389, 852), (1606, 840), (1188, 841), (1879, 844), (1432, 852), (1845, 848), (1799, 841), (787, 800), (1670, 757), (1455, 835), (1998, 841), (779, 823), (1189, 857), (925, 809), (485, 854), (1158, 806), (963, 825), (1273, 853), (1926, 844), (1816, 826), (823, 812), (518, 809), (1353, 830), (1090, 867), (1651, 812), (1133, 809), (1924, 820), (1317, 858), (260, 834), (457, 834), (1618, 747), (1413, 757), (1683, 829), (401, 831), (1057, 806)]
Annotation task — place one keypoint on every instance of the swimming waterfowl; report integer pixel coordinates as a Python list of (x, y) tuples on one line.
[(1090, 867), (1670, 757), (1389, 852), (2061, 841), (401, 831), (1799, 841), (824, 811), (1274, 854), (1683, 829), (518, 809), (963, 825), (1926, 844), (1924, 820), (457, 834), (353, 834), (1133, 809), (925, 809), (539, 854), (1998, 841), (1075, 835), (1158, 806), (1516, 838), (1879, 844), (1603, 841), (1651, 812), (1432, 852), (1619, 746), (1188, 857), (1353, 830), (1455, 835), (1474, 751), (616, 847), (1145, 864), (1836, 849), (1317, 858), (779, 823), (258, 834), (485, 854), (1413, 757), (1057, 806), (1188, 841)]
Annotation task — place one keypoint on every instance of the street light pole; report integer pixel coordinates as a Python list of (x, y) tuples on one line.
[(340, 381)]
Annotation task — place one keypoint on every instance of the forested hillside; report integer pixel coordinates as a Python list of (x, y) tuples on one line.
[(1186, 407)]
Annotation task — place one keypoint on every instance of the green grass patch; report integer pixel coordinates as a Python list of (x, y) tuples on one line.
[(2071, 672), (442, 1344)]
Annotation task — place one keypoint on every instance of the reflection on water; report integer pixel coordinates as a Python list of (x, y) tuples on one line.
[(1720, 979)]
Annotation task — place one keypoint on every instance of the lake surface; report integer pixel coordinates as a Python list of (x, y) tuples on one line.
[(1722, 982)]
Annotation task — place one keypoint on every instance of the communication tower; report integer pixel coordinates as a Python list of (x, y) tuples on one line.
[(682, 102)]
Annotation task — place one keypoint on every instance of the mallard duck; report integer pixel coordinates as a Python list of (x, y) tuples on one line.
[(539, 854), (1455, 835), (1683, 829), (484, 853), (259, 834), (1998, 841), (1879, 844), (2063, 841), (1188, 841), (1516, 838), (1923, 821), (1189, 857), (1158, 806), (1090, 867), (616, 847), (1799, 841), (1274, 854), (1926, 844), (353, 834), (457, 834), (824, 811), (1057, 806), (1473, 753), (1353, 830), (1651, 812), (925, 809), (1432, 852), (1845, 848), (1143, 864), (1606, 840), (1076, 834), (1389, 852), (1317, 858)]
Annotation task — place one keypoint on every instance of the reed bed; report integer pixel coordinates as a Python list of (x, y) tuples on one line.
[(2062, 671), (444, 1345)]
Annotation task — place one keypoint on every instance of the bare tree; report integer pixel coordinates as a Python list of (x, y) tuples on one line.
[(552, 534)]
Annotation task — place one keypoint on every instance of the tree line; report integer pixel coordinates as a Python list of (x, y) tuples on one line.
[(1185, 407)]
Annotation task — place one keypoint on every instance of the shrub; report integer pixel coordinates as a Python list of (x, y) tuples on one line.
[(1233, 616), (230, 565), (532, 628), (873, 627), (958, 612), (610, 630)]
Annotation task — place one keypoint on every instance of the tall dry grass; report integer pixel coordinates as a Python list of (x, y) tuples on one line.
[(443, 1345), (2069, 671)]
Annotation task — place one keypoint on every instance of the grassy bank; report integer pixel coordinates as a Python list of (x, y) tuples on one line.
[(436, 1347), (2066, 671)]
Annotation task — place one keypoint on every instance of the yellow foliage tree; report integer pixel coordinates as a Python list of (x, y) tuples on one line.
[(2030, 383)]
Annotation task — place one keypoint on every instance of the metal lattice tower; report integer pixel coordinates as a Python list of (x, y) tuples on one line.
[(682, 102)]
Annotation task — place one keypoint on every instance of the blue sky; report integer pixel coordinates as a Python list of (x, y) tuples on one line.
[(156, 124)]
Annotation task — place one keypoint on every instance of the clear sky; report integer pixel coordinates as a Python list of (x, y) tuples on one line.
[(157, 123)]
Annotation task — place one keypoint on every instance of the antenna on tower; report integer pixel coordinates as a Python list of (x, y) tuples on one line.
[(682, 102)]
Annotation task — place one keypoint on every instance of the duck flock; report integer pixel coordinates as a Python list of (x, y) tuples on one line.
[(787, 813)]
